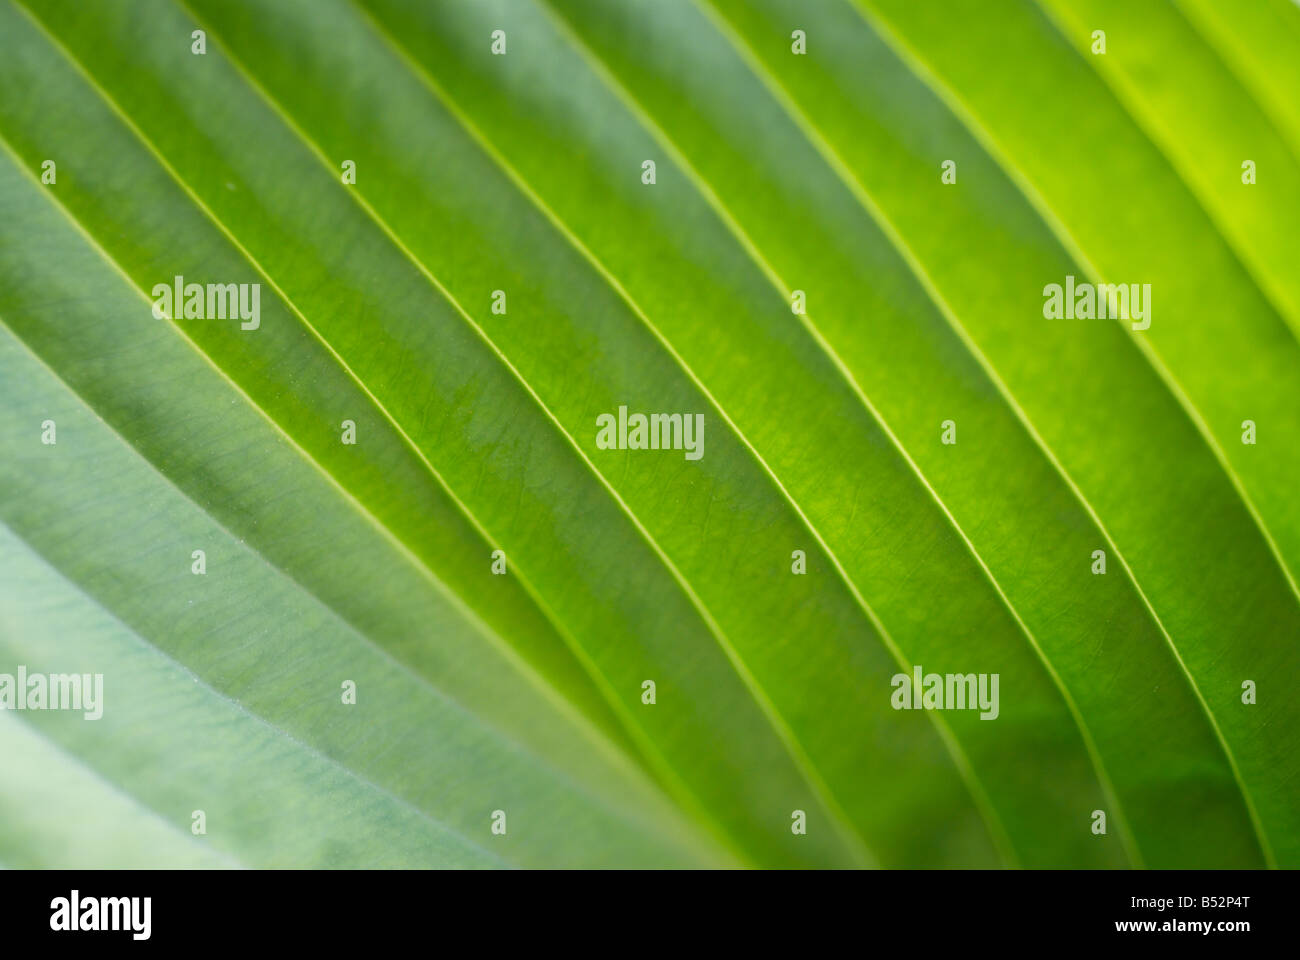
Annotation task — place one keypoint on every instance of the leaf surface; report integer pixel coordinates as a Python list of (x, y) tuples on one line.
[(797, 274)]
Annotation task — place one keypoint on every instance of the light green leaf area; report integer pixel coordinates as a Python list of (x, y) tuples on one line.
[(438, 621)]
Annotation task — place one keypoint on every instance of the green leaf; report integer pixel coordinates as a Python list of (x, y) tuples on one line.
[(797, 273)]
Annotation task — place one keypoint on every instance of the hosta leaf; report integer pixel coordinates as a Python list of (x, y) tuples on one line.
[(500, 586), (1013, 494), (118, 536)]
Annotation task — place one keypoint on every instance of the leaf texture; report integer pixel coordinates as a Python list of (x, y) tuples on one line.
[(498, 585)]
